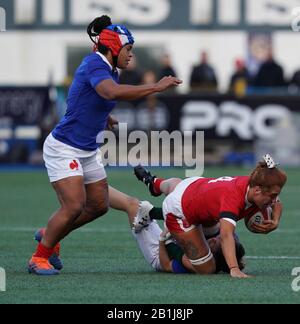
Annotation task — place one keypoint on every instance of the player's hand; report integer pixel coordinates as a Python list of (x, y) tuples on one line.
[(165, 235), (111, 123), (266, 227), (237, 273), (167, 82)]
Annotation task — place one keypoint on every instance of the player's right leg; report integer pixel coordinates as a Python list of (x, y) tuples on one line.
[(55, 259), (71, 194), (194, 244), (79, 180)]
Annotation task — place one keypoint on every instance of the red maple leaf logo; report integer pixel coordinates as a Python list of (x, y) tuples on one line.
[(74, 165)]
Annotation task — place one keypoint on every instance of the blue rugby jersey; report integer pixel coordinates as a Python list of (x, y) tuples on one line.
[(87, 112), (178, 267)]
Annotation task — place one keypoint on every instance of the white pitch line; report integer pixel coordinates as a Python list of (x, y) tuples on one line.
[(82, 230), (279, 231), (110, 230), (17, 229), (273, 257), (123, 230)]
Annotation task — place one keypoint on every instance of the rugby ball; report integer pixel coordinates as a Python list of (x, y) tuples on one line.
[(257, 218)]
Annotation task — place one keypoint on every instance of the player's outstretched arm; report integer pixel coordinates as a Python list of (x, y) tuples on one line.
[(110, 90), (228, 248)]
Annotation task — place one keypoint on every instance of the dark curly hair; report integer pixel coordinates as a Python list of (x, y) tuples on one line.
[(221, 264), (95, 28)]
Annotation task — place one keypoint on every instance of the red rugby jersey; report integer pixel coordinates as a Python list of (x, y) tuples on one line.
[(204, 200)]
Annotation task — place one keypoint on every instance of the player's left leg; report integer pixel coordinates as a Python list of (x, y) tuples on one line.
[(138, 211), (148, 242), (148, 238), (120, 201), (97, 204), (157, 186), (168, 186), (96, 186)]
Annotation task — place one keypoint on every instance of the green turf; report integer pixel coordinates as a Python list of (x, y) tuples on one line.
[(103, 264)]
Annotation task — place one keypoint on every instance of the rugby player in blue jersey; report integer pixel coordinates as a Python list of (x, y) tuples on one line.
[(71, 151)]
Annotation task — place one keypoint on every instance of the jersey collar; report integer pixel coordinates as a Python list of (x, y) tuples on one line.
[(105, 60), (248, 204)]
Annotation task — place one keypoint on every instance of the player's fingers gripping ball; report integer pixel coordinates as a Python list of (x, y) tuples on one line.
[(258, 218)]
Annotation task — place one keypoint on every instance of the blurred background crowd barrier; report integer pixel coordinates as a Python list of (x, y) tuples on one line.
[(236, 129)]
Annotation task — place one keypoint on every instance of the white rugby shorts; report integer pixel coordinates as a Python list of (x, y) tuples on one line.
[(172, 207), (174, 216), (63, 161)]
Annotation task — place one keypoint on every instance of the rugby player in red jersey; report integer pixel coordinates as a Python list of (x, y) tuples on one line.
[(197, 202), (158, 247)]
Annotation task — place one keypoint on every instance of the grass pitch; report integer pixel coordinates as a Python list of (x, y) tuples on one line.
[(103, 264)]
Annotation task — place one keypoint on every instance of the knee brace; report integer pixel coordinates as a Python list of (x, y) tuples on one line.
[(203, 260)]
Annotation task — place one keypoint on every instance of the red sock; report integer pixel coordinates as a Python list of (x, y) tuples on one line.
[(43, 252), (157, 183)]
